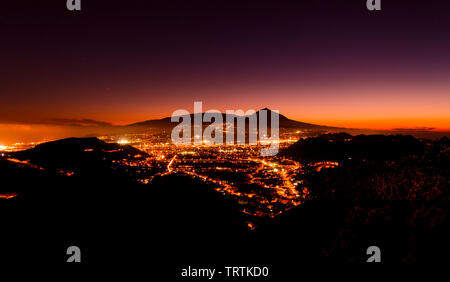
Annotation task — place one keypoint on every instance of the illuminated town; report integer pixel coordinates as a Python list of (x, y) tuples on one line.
[(262, 186)]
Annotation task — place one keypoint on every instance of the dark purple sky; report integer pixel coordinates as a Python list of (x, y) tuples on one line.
[(324, 61)]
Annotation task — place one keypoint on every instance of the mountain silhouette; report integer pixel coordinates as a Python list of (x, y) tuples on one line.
[(75, 153), (284, 122), (86, 160)]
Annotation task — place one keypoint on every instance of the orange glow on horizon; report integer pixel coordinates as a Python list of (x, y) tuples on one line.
[(442, 125), (7, 196)]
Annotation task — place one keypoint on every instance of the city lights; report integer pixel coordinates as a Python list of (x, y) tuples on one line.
[(227, 168), (236, 171)]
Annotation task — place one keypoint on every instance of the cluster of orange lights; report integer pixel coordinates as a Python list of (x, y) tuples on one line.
[(274, 176), (7, 196)]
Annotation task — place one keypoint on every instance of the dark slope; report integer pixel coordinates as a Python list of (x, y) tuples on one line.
[(343, 146), (102, 209), (387, 191), (77, 153), (87, 160)]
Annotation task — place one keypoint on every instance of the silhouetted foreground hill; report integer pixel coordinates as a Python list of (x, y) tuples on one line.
[(90, 170), (343, 146), (387, 191), (73, 166), (75, 192), (87, 154)]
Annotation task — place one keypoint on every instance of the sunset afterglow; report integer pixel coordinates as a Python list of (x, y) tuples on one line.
[(225, 139), (370, 75)]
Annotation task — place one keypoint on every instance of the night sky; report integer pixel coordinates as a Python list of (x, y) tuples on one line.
[(320, 61)]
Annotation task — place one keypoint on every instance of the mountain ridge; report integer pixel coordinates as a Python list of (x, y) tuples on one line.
[(284, 122)]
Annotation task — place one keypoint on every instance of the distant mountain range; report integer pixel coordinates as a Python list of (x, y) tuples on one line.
[(289, 124), (90, 128), (284, 122)]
